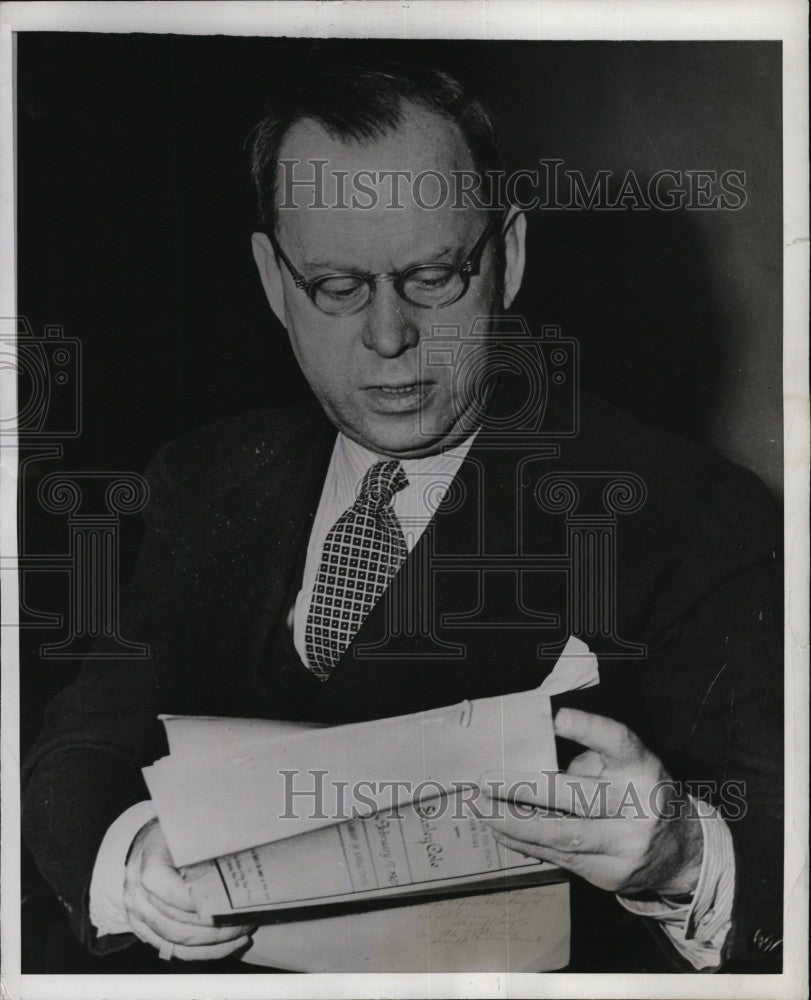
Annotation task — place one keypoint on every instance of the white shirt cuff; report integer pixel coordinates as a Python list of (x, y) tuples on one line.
[(699, 928), (107, 885)]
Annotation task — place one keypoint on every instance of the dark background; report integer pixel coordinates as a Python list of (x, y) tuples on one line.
[(135, 212)]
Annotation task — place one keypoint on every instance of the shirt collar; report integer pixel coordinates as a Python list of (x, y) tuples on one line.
[(353, 460)]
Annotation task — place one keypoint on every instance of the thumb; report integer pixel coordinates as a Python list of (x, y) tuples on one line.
[(597, 732)]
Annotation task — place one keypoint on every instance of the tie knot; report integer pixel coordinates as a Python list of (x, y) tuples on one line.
[(381, 482)]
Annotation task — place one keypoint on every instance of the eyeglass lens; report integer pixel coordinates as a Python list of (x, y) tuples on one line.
[(427, 285)]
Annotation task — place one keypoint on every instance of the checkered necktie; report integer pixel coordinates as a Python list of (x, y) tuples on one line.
[(362, 552)]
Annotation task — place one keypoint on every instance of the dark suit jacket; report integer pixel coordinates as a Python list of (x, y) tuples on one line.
[(697, 582)]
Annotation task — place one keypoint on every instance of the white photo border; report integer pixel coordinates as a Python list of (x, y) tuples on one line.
[(785, 20)]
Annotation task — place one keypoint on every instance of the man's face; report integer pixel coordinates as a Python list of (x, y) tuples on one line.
[(367, 369)]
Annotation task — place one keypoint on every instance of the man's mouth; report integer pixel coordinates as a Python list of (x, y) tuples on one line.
[(398, 397), (399, 390)]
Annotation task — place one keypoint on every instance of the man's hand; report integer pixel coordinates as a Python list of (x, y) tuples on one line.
[(160, 908), (625, 827)]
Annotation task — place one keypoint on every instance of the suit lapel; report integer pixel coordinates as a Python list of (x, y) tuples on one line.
[(274, 510)]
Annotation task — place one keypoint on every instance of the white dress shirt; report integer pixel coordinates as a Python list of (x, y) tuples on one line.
[(697, 928)]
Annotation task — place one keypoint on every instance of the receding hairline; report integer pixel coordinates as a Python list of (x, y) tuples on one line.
[(411, 112), (453, 156), (359, 106)]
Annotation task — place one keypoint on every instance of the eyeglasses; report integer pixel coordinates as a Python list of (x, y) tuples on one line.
[(429, 286)]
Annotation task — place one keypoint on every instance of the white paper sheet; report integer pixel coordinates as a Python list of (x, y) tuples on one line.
[(523, 930), (229, 785)]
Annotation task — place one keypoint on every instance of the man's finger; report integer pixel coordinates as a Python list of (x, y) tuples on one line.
[(162, 880), (182, 916), (538, 851), (561, 833), (603, 870), (532, 787), (193, 935), (552, 790), (199, 953), (597, 733), (588, 764)]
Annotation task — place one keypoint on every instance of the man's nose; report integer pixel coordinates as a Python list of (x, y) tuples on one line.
[(389, 326)]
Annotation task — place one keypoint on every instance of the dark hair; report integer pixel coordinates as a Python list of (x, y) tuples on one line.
[(366, 102)]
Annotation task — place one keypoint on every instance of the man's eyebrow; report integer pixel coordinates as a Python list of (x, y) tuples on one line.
[(331, 265), (327, 265)]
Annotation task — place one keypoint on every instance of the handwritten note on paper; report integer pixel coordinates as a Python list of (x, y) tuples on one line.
[(482, 918), (523, 930)]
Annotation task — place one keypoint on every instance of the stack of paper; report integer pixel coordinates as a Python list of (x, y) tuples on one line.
[(292, 820), (230, 784)]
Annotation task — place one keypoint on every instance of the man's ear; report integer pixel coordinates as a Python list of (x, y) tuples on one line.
[(515, 233), (270, 273)]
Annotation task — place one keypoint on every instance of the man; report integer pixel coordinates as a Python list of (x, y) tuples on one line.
[(276, 548)]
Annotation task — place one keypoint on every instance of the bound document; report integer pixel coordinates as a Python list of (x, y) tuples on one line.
[(289, 820), (437, 849)]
